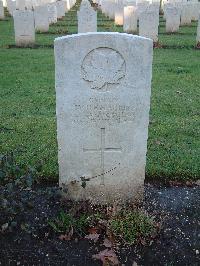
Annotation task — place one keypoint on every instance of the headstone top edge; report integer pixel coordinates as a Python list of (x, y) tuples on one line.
[(110, 34), (17, 11)]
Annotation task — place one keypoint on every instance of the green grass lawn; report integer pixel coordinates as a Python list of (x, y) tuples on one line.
[(27, 109)]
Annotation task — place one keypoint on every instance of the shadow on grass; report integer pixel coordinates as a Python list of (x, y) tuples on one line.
[(188, 47), (34, 46), (54, 32), (177, 33)]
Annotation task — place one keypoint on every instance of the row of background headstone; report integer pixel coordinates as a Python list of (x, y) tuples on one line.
[(127, 14), (37, 15), (30, 16)]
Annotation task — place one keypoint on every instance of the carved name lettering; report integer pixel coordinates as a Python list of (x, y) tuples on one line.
[(105, 110)]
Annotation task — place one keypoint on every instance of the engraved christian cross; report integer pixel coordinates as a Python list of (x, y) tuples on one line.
[(102, 150)]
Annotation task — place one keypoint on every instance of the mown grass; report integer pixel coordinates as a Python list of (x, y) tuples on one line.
[(28, 122)]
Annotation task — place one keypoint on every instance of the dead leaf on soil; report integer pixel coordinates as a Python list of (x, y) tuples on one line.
[(4, 227), (189, 184), (107, 243), (107, 256), (175, 183), (93, 237), (93, 230), (65, 237), (68, 236)]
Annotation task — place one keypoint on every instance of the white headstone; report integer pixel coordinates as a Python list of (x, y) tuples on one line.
[(11, 5), (102, 102), (195, 11), (24, 27), (198, 33), (148, 25), (20, 4), (52, 10), (69, 4), (130, 19), (41, 15), (60, 5), (29, 4), (141, 7), (172, 19), (186, 17), (1, 10), (154, 8), (87, 18), (119, 12), (108, 8), (4, 3)]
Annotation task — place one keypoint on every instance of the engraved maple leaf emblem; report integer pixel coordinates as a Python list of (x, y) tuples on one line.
[(103, 66)]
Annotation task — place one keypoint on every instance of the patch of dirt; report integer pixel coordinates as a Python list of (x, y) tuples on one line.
[(27, 239)]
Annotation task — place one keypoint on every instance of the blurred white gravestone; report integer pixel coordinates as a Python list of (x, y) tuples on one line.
[(11, 5), (1, 10), (195, 10), (102, 104), (4, 3), (87, 18), (52, 10), (28, 4), (130, 19), (141, 7), (41, 15), (24, 27), (119, 12), (61, 6), (186, 17), (148, 25), (20, 4), (172, 15), (198, 33)]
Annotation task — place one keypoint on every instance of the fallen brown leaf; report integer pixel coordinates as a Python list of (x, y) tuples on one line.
[(93, 230), (107, 256), (93, 237), (107, 243), (65, 237), (68, 236)]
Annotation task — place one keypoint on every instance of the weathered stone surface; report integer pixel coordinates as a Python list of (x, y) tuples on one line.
[(41, 15), (198, 32), (87, 18), (119, 12), (148, 25), (102, 102), (130, 19), (172, 15), (195, 10), (11, 5), (20, 4), (141, 7), (4, 3), (61, 8), (52, 10), (1, 10), (29, 4), (186, 17), (108, 8), (24, 27)]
